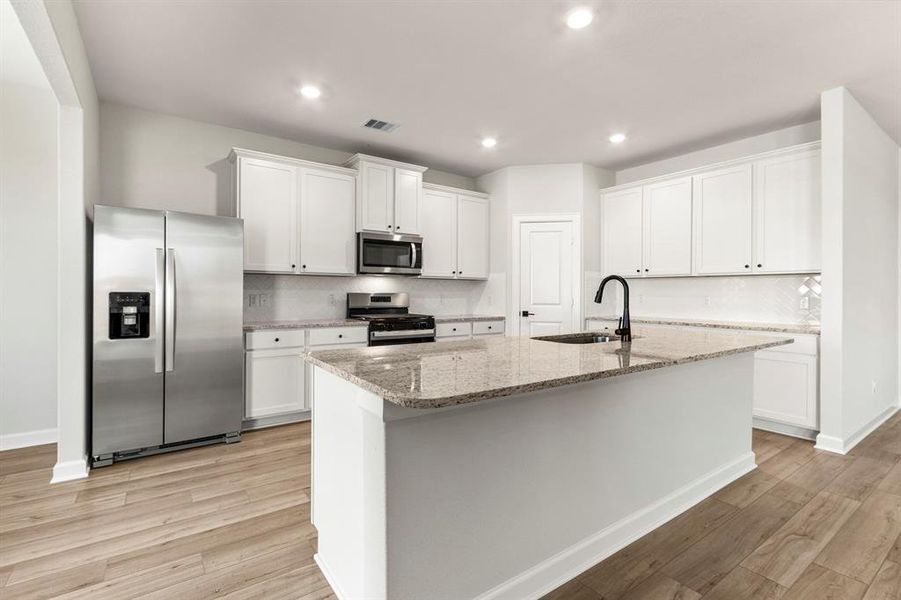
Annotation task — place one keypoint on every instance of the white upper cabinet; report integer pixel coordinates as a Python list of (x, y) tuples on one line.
[(786, 213), (376, 197), (439, 234), (298, 215), (472, 237), (622, 232), (722, 221), (267, 201), (667, 228), (407, 201), (454, 233), (327, 236), (389, 195)]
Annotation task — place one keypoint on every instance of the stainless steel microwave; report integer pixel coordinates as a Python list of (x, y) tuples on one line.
[(389, 254)]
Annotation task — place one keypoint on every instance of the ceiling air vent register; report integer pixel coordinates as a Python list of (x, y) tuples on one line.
[(383, 126)]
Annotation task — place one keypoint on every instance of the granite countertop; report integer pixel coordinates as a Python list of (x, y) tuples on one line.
[(302, 324), (318, 323), (465, 318), (801, 328), (452, 373)]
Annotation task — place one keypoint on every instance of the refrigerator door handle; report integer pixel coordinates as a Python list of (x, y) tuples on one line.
[(170, 310), (158, 307)]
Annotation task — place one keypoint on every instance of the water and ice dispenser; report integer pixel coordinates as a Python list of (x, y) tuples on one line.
[(129, 315)]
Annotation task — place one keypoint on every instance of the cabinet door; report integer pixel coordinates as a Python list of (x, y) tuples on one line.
[(621, 232), (472, 238), (667, 227), (439, 234), (267, 201), (327, 239), (376, 197), (785, 388), (275, 382), (787, 213), (407, 201), (722, 216)]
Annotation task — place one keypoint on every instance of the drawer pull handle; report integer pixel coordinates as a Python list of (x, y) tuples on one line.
[(276, 339), (489, 327), (340, 335)]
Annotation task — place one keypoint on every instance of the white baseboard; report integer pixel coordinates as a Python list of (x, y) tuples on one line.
[(11, 441), (837, 445), (803, 433), (566, 565), (69, 470), (328, 577)]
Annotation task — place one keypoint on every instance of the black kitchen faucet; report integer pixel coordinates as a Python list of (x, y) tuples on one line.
[(625, 327)]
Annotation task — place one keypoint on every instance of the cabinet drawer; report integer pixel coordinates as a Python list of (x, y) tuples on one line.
[(338, 335), (277, 338), (486, 327), (453, 329)]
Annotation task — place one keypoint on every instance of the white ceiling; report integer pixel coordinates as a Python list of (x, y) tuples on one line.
[(675, 75)]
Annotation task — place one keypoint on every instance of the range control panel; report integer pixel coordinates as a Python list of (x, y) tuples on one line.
[(129, 315)]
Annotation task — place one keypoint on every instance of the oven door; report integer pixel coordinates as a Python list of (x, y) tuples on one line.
[(391, 338), (389, 254)]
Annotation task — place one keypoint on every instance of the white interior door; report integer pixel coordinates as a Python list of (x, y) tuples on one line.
[(546, 278)]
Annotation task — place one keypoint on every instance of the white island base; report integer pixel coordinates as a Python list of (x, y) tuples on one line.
[(511, 497)]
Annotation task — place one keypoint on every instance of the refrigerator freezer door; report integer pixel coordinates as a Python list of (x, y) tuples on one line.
[(127, 411), (204, 346)]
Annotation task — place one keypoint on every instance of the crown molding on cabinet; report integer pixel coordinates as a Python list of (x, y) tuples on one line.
[(452, 190), (714, 166), (354, 160), (298, 162)]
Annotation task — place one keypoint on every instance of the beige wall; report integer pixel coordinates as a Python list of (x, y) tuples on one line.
[(152, 160)]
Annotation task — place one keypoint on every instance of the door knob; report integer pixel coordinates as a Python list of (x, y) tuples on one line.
[(526, 313)]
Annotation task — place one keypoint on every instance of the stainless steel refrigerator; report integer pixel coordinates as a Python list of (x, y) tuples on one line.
[(168, 351)]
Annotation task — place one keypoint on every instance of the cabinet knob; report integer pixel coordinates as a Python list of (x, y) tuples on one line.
[(454, 329), (453, 272), (276, 339), (759, 265), (389, 226), (461, 272), (747, 266), (340, 335), (303, 266), (293, 266), (645, 270), (489, 327), (638, 270)]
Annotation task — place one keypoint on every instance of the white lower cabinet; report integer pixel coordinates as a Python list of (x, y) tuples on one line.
[(276, 375), (275, 382)]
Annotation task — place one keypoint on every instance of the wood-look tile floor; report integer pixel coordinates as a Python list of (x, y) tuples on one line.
[(233, 521), (805, 525)]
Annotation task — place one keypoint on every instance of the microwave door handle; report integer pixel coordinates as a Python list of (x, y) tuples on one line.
[(413, 261)]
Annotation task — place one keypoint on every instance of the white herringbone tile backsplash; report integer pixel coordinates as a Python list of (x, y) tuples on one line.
[(314, 297), (764, 298)]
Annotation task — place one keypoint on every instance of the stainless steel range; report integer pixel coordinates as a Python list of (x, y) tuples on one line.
[(389, 319)]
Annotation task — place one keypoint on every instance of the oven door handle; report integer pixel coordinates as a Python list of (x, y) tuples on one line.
[(410, 333), (413, 261)]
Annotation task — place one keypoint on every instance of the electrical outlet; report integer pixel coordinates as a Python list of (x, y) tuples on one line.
[(253, 300), (805, 303), (706, 300), (332, 300), (264, 300), (873, 383)]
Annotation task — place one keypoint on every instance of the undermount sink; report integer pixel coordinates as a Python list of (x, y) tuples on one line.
[(581, 338)]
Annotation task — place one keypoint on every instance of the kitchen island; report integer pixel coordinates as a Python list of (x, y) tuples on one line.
[(500, 468)]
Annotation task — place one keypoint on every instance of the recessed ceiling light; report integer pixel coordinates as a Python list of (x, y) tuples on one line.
[(489, 142), (617, 138), (310, 91), (579, 18)]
